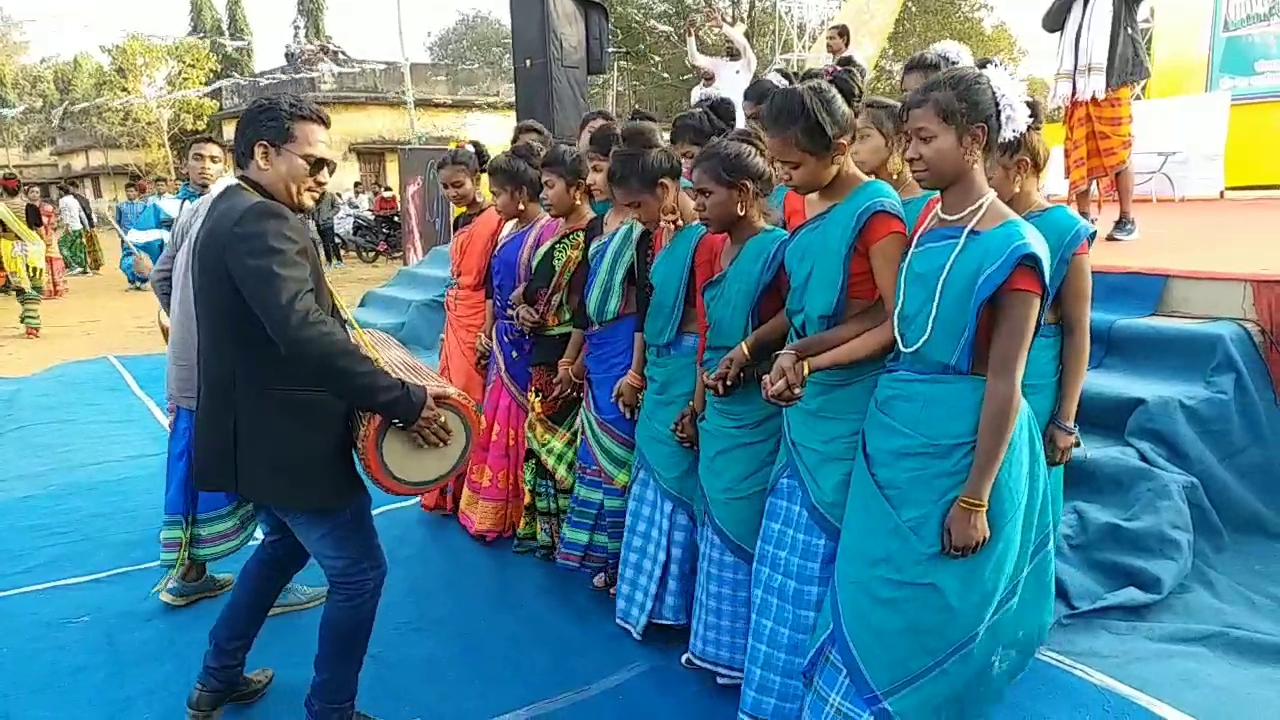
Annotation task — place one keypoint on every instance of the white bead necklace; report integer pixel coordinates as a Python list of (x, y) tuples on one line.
[(977, 210)]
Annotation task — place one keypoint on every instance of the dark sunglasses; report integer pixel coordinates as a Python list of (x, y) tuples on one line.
[(314, 164)]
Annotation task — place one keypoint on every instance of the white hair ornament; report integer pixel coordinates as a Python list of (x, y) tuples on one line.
[(1011, 101), (776, 78), (956, 53)]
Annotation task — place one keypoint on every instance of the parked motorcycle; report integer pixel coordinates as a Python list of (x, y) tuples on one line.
[(374, 236)]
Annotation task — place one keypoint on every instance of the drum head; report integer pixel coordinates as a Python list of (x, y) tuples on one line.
[(416, 470)]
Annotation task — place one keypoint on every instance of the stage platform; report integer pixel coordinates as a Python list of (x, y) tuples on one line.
[(1168, 573)]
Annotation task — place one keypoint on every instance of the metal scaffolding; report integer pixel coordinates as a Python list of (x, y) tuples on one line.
[(798, 25)]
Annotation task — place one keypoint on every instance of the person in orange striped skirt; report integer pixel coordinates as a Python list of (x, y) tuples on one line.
[(1100, 62)]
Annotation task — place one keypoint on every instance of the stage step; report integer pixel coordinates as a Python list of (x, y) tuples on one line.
[(1166, 512), (410, 307)]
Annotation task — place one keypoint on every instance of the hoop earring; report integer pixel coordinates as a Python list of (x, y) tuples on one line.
[(742, 208)]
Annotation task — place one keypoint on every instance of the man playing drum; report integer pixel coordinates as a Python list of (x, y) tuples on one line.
[(279, 381)]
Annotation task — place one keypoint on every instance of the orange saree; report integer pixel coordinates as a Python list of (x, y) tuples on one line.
[(464, 305)]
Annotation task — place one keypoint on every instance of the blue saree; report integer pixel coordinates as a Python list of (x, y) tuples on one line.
[(907, 631), (797, 539), (737, 446), (592, 537), (913, 210), (1064, 231), (655, 574), (820, 431)]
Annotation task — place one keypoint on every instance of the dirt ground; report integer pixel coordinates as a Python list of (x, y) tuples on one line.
[(100, 316)]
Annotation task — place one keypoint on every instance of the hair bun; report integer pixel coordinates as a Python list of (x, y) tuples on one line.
[(639, 135), (847, 81), (721, 109), (530, 152), (750, 137), (481, 152)]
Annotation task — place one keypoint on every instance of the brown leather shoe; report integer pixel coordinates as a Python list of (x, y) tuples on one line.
[(203, 704)]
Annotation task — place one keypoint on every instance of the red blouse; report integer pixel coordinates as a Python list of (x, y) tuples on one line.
[(1023, 279), (862, 283), (706, 265)]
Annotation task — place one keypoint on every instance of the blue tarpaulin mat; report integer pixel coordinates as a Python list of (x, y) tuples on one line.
[(1120, 296), (1169, 557), (465, 631)]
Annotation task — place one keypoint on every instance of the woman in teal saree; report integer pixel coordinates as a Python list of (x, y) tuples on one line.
[(614, 354), (659, 547), (741, 290), (841, 266), (943, 582), (1059, 357)]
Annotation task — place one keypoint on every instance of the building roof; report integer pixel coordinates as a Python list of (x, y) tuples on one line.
[(434, 85)]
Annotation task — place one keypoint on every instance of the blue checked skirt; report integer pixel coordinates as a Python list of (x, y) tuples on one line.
[(659, 558), (721, 607), (794, 562), (831, 695)]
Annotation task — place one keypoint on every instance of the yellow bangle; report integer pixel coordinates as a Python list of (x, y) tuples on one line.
[(972, 504), (805, 364), (746, 352)]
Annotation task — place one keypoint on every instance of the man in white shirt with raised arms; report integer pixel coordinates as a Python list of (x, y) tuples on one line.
[(734, 71)]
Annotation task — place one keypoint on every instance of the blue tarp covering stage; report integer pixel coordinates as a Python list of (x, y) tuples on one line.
[(1169, 558)]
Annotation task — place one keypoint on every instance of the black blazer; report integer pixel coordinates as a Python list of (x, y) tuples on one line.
[(279, 376)]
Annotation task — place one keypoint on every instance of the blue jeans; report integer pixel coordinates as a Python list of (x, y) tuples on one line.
[(345, 544)]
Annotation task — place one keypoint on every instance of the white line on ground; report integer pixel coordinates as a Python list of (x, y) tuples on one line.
[(80, 580), (160, 416), (1085, 672), (574, 697)]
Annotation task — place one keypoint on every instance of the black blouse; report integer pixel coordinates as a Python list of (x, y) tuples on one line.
[(547, 349)]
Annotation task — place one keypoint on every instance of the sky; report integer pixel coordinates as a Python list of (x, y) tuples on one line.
[(364, 28)]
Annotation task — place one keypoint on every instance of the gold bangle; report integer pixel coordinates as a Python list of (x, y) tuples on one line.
[(805, 364), (635, 379), (575, 380), (972, 504), (746, 352)]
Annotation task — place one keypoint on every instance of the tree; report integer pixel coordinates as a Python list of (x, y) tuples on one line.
[(312, 13), (44, 90), (477, 41), (205, 22), (924, 22), (648, 39), (13, 46), (239, 60), (159, 88)]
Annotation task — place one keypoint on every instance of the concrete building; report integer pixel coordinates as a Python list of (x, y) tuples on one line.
[(371, 119)]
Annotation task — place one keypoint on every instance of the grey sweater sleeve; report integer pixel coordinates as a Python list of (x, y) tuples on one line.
[(162, 273), (162, 276)]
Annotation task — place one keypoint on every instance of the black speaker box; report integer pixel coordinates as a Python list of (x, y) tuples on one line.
[(556, 45)]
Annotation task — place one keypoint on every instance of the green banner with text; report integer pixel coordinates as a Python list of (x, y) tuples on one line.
[(1245, 58)]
